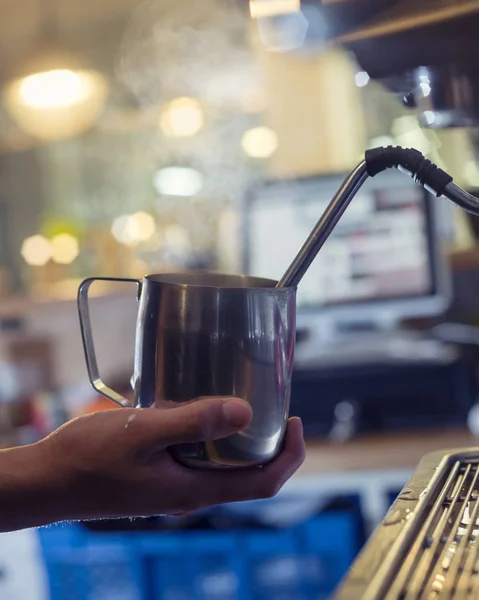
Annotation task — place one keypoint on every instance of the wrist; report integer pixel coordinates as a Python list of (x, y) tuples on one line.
[(31, 492)]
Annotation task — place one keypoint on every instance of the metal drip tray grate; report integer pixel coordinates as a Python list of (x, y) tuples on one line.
[(427, 547)]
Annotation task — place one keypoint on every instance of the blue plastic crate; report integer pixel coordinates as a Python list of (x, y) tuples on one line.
[(305, 562), (95, 572), (217, 566), (163, 556), (63, 535), (332, 539), (193, 566), (273, 565)]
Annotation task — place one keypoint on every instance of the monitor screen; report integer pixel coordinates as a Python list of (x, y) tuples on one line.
[(381, 248)]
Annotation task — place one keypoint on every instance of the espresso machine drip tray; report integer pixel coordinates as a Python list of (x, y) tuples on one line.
[(427, 546)]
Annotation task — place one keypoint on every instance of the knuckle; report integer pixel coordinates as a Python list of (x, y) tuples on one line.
[(195, 421), (209, 416)]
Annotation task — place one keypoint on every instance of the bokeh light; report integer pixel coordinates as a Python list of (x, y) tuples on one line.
[(131, 230), (361, 79), (178, 181), (55, 89), (65, 248), (272, 8), (36, 250), (182, 117), (260, 142)]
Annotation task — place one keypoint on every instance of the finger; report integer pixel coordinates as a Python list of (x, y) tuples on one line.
[(250, 484), (204, 419)]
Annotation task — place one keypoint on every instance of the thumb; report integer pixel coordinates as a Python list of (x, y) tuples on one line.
[(201, 420)]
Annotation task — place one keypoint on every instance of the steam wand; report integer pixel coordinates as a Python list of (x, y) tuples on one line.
[(409, 161)]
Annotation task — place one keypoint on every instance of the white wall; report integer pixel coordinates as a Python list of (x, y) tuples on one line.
[(114, 322)]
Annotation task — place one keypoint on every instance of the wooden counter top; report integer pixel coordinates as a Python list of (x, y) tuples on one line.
[(382, 451)]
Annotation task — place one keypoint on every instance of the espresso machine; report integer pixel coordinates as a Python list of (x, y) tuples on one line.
[(426, 53), (422, 51)]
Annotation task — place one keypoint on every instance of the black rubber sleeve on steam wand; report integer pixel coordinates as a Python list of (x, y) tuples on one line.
[(410, 161)]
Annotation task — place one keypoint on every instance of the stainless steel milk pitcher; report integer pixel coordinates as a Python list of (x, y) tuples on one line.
[(203, 334)]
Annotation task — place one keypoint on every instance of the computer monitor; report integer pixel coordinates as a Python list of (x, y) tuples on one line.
[(382, 264)]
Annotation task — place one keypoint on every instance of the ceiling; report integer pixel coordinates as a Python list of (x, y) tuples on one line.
[(151, 50), (104, 32), (92, 27)]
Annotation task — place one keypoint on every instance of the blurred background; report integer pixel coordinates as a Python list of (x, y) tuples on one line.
[(151, 136)]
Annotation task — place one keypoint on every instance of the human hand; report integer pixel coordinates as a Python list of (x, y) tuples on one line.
[(116, 463)]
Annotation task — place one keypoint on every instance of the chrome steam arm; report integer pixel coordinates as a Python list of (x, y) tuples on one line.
[(407, 160)]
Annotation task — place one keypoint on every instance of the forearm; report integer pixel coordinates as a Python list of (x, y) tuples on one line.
[(31, 494)]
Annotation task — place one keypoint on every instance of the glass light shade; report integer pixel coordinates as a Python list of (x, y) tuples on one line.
[(56, 104)]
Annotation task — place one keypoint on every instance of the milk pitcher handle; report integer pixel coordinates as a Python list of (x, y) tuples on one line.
[(87, 337)]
